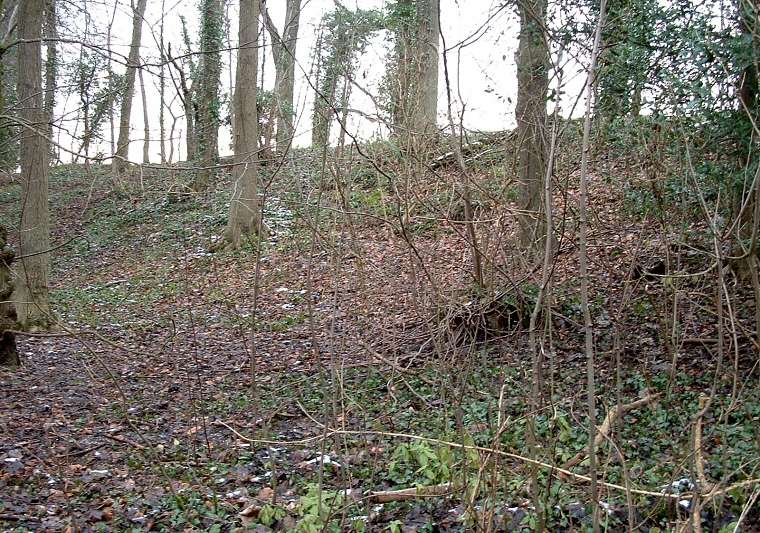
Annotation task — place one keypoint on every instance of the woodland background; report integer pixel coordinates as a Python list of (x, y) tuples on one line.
[(404, 323)]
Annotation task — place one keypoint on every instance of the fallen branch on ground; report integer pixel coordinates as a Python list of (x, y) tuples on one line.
[(394, 366), (387, 496), (604, 429), (125, 440)]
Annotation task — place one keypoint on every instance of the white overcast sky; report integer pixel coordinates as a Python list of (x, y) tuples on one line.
[(480, 37)]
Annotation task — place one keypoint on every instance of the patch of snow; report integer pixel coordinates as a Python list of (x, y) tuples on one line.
[(325, 460), (677, 487)]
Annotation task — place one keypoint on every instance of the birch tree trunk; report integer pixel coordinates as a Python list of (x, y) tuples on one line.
[(133, 63), (244, 222), (32, 293)]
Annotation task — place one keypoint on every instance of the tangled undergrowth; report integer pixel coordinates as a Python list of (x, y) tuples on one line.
[(355, 378)]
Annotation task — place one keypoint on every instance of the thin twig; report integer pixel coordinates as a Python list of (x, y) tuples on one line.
[(394, 366)]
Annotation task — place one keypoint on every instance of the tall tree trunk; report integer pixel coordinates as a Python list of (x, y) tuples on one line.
[(412, 81), (244, 222), (146, 121), (8, 144), (162, 88), (186, 93), (343, 37), (425, 112), (530, 112), (50, 32), (746, 200), (111, 79), (133, 63), (400, 80), (285, 127), (284, 51), (209, 80), (321, 113), (32, 293)]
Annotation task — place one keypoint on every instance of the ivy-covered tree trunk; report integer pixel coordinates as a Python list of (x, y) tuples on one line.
[(133, 63), (530, 112), (625, 63), (323, 98), (8, 351), (426, 105), (400, 79), (344, 37), (411, 83), (32, 293), (244, 222), (746, 200), (209, 82)]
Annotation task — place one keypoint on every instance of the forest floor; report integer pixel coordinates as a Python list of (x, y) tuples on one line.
[(190, 391)]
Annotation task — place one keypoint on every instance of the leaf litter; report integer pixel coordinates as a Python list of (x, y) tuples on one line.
[(182, 389)]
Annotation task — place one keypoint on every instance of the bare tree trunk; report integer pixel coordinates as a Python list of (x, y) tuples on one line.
[(8, 151), (284, 51), (186, 95), (146, 121), (530, 112), (133, 63), (51, 61), (426, 107), (285, 128), (244, 222), (32, 293), (111, 79), (162, 89)]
